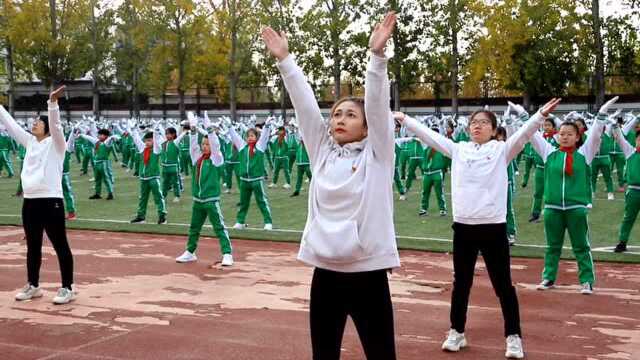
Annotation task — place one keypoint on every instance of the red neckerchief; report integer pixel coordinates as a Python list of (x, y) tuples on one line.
[(199, 164), (252, 148), (638, 149), (431, 153), (280, 138), (549, 134), (568, 165), (147, 155), (98, 145)]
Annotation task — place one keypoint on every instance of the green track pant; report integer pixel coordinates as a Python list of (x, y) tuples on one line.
[(199, 214)]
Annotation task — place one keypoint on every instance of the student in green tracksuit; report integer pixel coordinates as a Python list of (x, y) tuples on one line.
[(404, 160), (567, 195), (231, 163), (6, 146), (618, 160), (170, 161), (21, 154), (397, 179), (415, 154), (632, 195), (527, 155), (126, 146), (205, 187), (292, 145), (67, 190), (87, 154), (602, 164), (433, 166), (281, 159), (252, 173), (304, 166), (102, 169), (185, 158), (501, 135), (538, 191), (149, 169)]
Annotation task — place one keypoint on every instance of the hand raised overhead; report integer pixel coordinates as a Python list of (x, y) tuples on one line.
[(277, 44), (382, 33)]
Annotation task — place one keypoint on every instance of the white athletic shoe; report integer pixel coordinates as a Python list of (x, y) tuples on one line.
[(176, 200), (455, 341), (272, 185), (28, 292), (610, 196), (268, 226), (403, 197), (589, 206), (226, 191), (224, 184), (586, 289), (286, 186), (512, 239), (227, 260), (514, 347), (92, 179), (186, 257), (546, 285), (239, 226), (306, 180), (64, 296)]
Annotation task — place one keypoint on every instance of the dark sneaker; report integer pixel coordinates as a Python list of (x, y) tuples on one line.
[(621, 247), (295, 193), (423, 212), (138, 220), (546, 285), (95, 197), (110, 197), (162, 220), (535, 218)]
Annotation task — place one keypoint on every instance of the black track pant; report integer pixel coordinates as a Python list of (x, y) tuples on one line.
[(46, 214), (365, 297)]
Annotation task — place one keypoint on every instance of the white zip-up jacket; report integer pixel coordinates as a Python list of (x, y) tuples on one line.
[(42, 167), (478, 172), (350, 219)]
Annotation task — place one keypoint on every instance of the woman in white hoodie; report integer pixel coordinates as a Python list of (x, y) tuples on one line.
[(43, 207), (479, 203), (349, 236)]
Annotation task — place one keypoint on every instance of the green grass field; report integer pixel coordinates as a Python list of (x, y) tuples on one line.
[(431, 233)]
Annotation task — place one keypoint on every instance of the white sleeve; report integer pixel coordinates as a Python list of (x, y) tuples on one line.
[(627, 149), (14, 130), (55, 129), (441, 143), (194, 148), (157, 142), (516, 142), (236, 139), (71, 143), (216, 154), (541, 146), (380, 122), (591, 147), (630, 125), (312, 124), (263, 142), (89, 138), (135, 135)]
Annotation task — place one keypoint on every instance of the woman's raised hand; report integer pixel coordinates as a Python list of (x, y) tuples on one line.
[(277, 44), (55, 94), (382, 33)]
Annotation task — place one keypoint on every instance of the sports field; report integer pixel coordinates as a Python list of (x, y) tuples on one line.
[(431, 233)]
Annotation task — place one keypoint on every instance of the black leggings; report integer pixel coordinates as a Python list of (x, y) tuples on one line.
[(46, 214), (491, 240), (365, 296)]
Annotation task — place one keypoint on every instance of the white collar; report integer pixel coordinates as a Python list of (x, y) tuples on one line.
[(346, 150)]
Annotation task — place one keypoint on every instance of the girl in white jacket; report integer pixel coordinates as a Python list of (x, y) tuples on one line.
[(349, 236), (479, 203), (43, 207)]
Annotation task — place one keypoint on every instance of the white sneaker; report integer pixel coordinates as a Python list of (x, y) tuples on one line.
[(610, 196), (589, 206), (226, 191), (272, 185), (587, 289), (455, 341), (92, 179), (176, 200), (512, 239), (306, 180), (514, 347), (28, 292), (403, 197), (64, 296), (227, 260), (186, 257), (239, 226), (286, 186), (224, 184), (546, 285), (268, 226)]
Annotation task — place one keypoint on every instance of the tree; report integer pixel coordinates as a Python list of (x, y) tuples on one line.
[(51, 50), (101, 42), (598, 49), (7, 11)]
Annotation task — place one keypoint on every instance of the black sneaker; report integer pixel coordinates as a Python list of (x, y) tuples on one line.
[(110, 197), (524, 186), (621, 247), (422, 212), (443, 212), (535, 218), (162, 220), (295, 193), (138, 220), (95, 197)]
